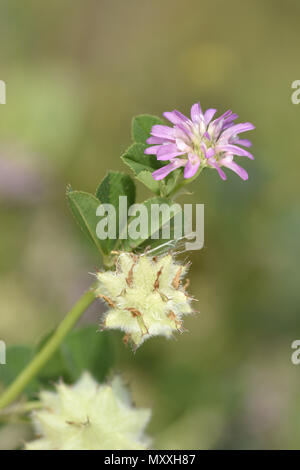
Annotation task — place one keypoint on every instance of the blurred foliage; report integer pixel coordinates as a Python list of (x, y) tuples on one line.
[(80, 351), (75, 76)]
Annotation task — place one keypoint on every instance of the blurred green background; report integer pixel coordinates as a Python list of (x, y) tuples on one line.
[(76, 73)]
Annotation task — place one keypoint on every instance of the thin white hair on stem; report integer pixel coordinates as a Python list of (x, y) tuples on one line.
[(174, 244)]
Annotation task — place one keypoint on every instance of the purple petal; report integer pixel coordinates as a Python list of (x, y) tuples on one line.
[(165, 132), (182, 135), (237, 129), (223, 117), (168, 151), (196, 112), (244, 142), (165, 170), (231, 118), (210, 153), (153, 150), (176, 117), (226, 115), (208, 115), (185, 128), (191, 167), (203, 147), (236, 168), (229, 121), (218, 124), (234, 149), (216, 166), (207, 136), (155, 140)]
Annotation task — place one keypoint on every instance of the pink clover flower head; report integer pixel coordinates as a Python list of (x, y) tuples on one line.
[(199, 141)]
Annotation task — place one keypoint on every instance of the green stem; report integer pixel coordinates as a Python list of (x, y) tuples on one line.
[(15, 412), (184, 182), (15, 389)]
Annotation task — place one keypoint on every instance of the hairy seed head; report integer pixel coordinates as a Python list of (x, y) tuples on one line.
[(145, 296)]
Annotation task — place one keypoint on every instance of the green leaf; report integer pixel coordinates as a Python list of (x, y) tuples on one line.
[(141, 127), (84, 206), (147, 240), (17, 358), (143, 165), (169, 183), (147, 179), (138, 161), (55, 367), (116, 184), (83, 349)]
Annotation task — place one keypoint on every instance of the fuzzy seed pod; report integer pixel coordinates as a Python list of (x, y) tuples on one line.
[(89, 416), (145, 296)]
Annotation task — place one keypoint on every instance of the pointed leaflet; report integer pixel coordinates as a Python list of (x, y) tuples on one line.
[(141, 127), (84, 207), (143, 165), (114, 185)]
